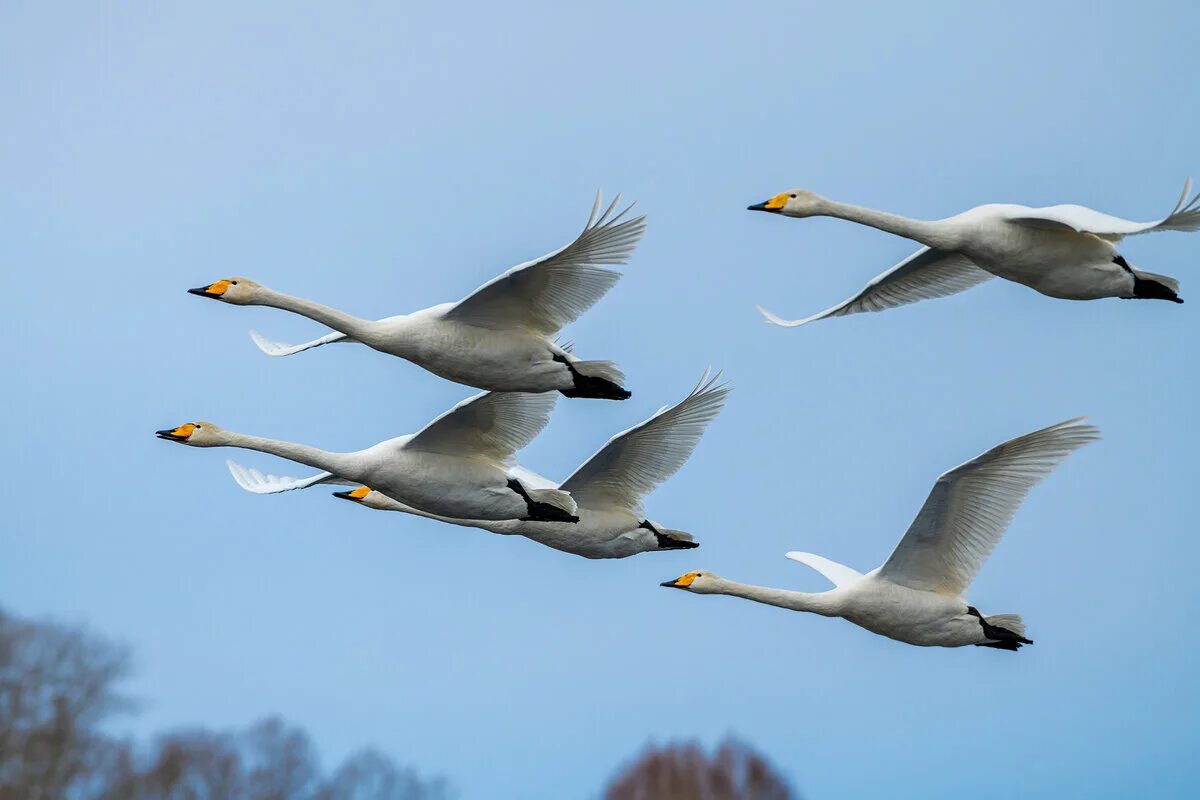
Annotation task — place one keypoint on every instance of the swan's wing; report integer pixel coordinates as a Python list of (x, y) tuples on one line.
[(924, 275), (280, 349), (546, 294), (971, 505), (838, 574), (635, 461), (257, 482), (490, 424), (1184, 217)]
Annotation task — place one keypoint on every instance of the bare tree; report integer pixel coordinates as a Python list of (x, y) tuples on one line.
[(57, 685), (370, 775), (686, 772), (280, 762)]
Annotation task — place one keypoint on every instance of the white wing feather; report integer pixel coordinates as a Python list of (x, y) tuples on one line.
[(1184, 217), (924, 275), (970, 507), (838, 574), (491, 424), (545, 294), (272, 348), (257, 482), (632, 463)]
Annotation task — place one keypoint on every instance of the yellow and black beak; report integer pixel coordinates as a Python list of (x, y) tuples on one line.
[(213, 290), (356, 495), (180, 434), (682, 582), (774, 205)]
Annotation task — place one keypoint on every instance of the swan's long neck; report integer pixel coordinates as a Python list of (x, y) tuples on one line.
[(796, 601), (330, 317), (933, 234), (337, 463), (504, 526)]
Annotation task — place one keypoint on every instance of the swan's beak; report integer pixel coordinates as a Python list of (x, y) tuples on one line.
[(213, 290), (774, 205), (179, 434), (356, 495), (682, 582)]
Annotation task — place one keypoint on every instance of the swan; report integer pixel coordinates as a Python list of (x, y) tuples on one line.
[(917, 595), (608, 488), (1064, 251), (500, 337), (458, 465)]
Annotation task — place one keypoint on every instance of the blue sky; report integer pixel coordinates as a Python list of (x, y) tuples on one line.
[(383, 158)]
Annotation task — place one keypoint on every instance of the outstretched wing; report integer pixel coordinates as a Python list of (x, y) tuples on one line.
[(281, 349), (1184, 217), (838, 574), (546, 294), (971, 506), (257, 482), (491, 424), (926, 274), (636, 461)]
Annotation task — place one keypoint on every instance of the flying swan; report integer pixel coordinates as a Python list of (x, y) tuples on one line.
[(608, 488), (460, 465), (917, 595), (1061, 251), (500, 337)]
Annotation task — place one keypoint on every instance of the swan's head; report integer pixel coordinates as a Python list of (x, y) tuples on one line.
[(197, 434), (239, 291), (366, 496), (697, 582), (792, 203)]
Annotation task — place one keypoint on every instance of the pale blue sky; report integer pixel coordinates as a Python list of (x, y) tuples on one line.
[(383, 158)]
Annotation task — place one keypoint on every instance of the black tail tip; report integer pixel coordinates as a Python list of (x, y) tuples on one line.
[(596, 389), (667, 543), (544, 512), (1147, 289)]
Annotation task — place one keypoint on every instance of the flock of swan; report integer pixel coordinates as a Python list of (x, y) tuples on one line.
[(461, 469)]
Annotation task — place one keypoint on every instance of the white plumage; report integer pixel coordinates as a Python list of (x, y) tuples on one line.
[(608, 488), (500, 337), (459, 465), (1064, 251), (917, 595)]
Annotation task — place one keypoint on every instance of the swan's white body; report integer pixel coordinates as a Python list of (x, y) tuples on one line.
[(608, 488), (498, 338), (917, 595), (1062, 251), (458, 465)]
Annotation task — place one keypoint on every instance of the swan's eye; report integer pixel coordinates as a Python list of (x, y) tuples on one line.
[(235, 282), (792, 196)]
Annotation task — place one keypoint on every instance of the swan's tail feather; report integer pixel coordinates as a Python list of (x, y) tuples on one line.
[(1009, 622), (1149, 286), (1004, 632), (671, 539), (597, 379), (551, 505)]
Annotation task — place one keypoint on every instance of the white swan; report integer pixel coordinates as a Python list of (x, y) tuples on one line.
[(501, 336), (458, 465), (1061, 251), (608, 488), (917, 595)]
